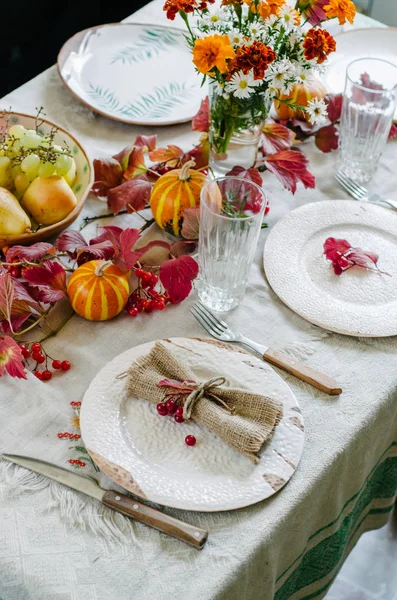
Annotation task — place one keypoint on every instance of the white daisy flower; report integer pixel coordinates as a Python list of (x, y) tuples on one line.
[(242, 85), (216, 16), (219, 88), (271, 22), (236, 38), (303, 75), (317, 111), (295, 36), (287, 16), (281, 75), (256, 30)]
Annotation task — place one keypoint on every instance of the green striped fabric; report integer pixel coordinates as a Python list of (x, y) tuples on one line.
[(313, 572)]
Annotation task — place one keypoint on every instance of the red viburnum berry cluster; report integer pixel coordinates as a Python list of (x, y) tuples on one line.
[(171, 409), (69, 436), (76, 462), (75, 404), (36, 353), (145, 298)]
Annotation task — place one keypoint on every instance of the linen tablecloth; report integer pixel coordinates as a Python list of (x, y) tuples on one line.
[(289, 547)]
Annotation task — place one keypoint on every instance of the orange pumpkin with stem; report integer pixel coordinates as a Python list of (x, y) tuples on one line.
[(301, 96), (172, 193), (98, 290)]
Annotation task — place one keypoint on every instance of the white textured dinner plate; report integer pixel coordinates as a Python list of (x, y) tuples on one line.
[(376, 42), (132, 72), (146, 453), (359, 302)]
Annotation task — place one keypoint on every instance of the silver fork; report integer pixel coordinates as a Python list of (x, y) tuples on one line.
[(361, 193), (221, 331)]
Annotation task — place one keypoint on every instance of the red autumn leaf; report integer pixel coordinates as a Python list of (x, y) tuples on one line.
[(276, 137), (343, 256), (334, 106), (11, 359), (108, 174), (50, 278), (183, 247), (70, 241), (250, 174), (101, 251), (393, 132), (136, 164), (128, 239), (133, 195), (123, 156), (170, 155), (110, 233), (177, 275), (201, 122), (146, 141), (200, 154), (326, 138), (30, 253), (16, 304), (290, 167), (191, 223)]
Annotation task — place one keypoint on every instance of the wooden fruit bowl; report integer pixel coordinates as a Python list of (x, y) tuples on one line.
[(81, 186)]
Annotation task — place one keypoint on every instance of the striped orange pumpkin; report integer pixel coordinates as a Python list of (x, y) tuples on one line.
[(172, 193), (301, 95), (98, 290)]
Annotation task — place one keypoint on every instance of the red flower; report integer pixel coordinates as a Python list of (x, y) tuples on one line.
[(172, 7), (201, 122), (313, 10), (11, 359), (258, 57), (318, 44)]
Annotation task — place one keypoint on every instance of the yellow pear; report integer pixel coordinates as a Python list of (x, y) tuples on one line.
[(13, 220), (49, 199), (5, 172)]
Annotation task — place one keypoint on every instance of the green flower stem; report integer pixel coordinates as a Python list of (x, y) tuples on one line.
[(186, 19)]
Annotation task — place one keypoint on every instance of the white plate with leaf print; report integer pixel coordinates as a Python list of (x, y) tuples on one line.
[(146, 453), (359, 302), (134, 73)]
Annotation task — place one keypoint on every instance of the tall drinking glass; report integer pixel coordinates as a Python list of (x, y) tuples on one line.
[(231, 214), (369, 104)]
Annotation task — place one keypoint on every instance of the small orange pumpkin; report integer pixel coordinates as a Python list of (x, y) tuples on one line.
[(301, 96), (98, 290), (172, 193)]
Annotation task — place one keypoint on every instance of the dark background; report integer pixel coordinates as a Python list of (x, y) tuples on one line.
[(32, 32)]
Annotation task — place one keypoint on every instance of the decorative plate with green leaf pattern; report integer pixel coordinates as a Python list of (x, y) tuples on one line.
[(131, 72)]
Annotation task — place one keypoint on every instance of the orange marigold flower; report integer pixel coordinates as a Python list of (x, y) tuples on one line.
[(172, 7), (318, 44), (258, 57), (343, 9), (266, 8), (212, 51)]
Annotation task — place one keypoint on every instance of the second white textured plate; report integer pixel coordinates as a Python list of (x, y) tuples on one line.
[(146, 454), (359, 302)]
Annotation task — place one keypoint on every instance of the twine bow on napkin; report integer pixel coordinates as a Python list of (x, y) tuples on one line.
[(189, 392), (242, 419)]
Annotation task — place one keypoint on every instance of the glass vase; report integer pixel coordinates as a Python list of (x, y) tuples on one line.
[(235, 129)]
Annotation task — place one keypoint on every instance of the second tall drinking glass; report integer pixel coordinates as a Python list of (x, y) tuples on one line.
[(231, 214), (369, 104)]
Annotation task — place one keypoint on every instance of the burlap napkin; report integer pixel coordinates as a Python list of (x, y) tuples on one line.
[(240, 418)]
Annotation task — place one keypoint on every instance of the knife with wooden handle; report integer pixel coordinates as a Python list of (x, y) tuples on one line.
[(125, 505)]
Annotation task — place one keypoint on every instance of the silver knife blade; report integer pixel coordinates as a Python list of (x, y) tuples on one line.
[(81, 483)]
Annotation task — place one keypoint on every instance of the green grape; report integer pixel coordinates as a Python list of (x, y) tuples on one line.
[(16, 169), (4, 162), (14, 148), (63, 164), (46, 169), (31, 164), (17, 131), (22, 182), (30, 140), (57, 148)]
